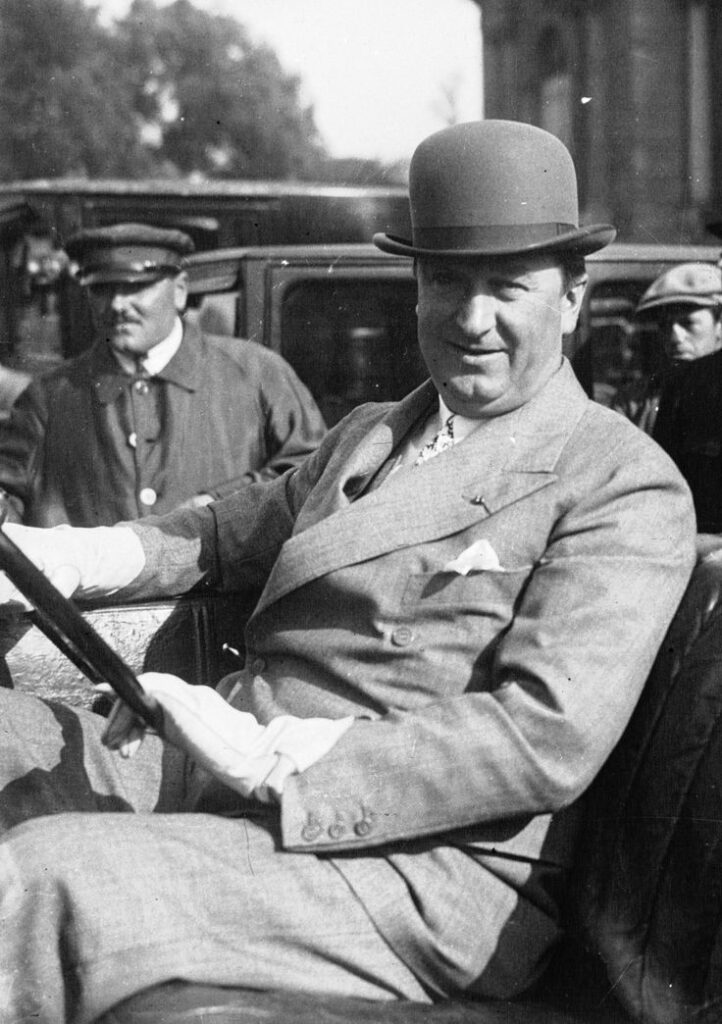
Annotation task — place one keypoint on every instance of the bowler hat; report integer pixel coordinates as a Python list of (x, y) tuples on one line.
[(487, 188), (132, 253), (692, 284)]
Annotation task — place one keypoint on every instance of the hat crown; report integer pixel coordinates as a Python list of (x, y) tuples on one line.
[(128, 252), (493, 174), (691, 283), (487, 188)]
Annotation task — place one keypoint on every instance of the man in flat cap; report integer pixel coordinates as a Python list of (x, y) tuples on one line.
[(463, 595), (156, 413), (685, 303), (682, 308)]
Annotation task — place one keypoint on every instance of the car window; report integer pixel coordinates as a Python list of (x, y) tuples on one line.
[(618, 354), (352, 341), (217, 314)]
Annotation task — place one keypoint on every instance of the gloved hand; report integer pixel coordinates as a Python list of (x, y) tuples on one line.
[(95, 561), (248, 757)]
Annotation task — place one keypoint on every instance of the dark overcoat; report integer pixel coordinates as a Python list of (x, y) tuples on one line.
[(689, 427), (89, 445)]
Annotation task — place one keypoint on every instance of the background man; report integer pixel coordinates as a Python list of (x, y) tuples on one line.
[(686, 302), (156, 413), (683, 306), (384, 802)]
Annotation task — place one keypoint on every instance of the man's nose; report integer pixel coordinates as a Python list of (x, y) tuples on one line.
[(477, 313), (676, 331), (118, 300)]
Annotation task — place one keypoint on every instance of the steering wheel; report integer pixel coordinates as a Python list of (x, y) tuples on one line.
[(63, 624)]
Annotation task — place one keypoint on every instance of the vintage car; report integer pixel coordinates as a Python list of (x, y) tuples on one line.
[(645, 919), (344, 316)]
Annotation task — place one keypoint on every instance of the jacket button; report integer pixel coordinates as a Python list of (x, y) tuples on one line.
[(402, 636), (258, 665), (141, 386), (337, 830), (133, 440), (362, 828), (148, 497), (311, 830)]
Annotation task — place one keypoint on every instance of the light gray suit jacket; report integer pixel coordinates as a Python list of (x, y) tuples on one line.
[(485, 703)]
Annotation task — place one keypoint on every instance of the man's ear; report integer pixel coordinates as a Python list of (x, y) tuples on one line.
[(717, 329), (572, 302), (180, 291)]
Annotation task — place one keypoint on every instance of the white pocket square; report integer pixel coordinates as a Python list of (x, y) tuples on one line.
[(477, 558)]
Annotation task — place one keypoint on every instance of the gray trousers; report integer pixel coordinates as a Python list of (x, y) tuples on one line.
[(97, 906)]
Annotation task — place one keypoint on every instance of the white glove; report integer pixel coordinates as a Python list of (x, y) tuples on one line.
[(95, 561), (231, 744)]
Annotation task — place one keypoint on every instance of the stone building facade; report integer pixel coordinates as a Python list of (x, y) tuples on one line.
[(634, 87)]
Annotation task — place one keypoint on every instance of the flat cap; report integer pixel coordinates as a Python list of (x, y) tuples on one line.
[(692, 284), (132, 253)]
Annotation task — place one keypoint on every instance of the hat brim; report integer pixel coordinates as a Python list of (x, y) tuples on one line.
[(116, 275), (580, 241), (699, 301)]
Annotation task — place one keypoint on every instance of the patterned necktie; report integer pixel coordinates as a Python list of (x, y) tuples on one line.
[(443, 440)]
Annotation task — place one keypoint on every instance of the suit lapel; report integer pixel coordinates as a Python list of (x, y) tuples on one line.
[(505, 460), (361, 455)]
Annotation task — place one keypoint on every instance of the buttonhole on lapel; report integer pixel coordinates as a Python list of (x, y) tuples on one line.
[(477, 499), (352, 486)]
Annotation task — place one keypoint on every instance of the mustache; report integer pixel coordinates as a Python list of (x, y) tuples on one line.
[(119, 319)]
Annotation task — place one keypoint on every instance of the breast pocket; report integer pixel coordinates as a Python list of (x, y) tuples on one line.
[(486, 592)]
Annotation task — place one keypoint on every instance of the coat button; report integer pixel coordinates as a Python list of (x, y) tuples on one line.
[(148, 497), (133, 440), (258, 665), (402, 636)]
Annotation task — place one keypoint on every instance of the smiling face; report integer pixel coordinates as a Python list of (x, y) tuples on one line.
[(134, 318), (490, 329)]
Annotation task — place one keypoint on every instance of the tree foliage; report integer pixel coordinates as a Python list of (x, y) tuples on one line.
[(171, 90)]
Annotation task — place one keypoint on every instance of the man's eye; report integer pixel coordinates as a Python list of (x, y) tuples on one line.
[(442, 279), (507, 286)]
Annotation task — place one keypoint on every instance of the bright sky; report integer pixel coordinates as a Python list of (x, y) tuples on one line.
[(379, 73)]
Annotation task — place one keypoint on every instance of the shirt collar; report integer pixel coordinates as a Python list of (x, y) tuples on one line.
[(428, 427), (157, 358), (463, 425)]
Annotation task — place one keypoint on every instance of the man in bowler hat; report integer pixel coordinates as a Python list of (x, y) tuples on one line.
[(463, 593), (156, 413)]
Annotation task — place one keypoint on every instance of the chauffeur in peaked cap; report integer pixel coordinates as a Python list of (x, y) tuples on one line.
[(430, 684), (156, 413)]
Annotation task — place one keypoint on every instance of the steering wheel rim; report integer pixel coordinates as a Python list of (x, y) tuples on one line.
[(64, 625)]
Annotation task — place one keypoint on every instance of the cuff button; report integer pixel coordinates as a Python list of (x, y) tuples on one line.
[(402, 636), (311, 832)]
